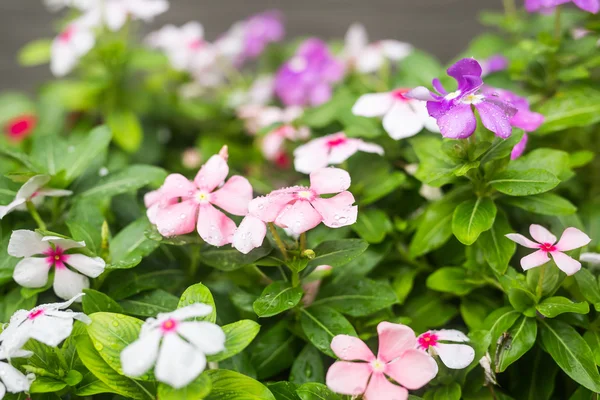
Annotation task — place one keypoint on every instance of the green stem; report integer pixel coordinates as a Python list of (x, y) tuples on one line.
[(35, 215), (278, 241), (295, 278), (302, 242), (557, 24), (262, 275), (540, 284)]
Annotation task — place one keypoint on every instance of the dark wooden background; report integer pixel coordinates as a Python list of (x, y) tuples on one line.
[(441, 26)]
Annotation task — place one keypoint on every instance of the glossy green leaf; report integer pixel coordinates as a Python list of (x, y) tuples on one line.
[(198, 389), (338, 252), (228, 385), (199, 293), (95, 301), (126, 129), (308, 366), (322, 324), (455, 280), (277, 298), (522, 338), (229, 259), (372, 225), (576, 107), (588, 285), (35, 53), (149, 304), (316, 391), (524, 183), (496, 248), (84, 153), (357, 298), (130, 245), (126, 180), (472, 217), (238, 335), (553, 306), (544, 204)]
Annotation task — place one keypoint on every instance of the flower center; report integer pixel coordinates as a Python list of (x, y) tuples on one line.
[(547, 247), (202, 197), (305, 195), (452, 95), (35, 313), (336, 141), (398, 94), (67, 34), (473, 99), (378, 366), (20, 127), (427, 340), (298, 64), (169, 325), (56, 257)]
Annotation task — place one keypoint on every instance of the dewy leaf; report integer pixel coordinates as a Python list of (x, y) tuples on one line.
[(308, 366), (131, 244), (238, 335), (588, 285), (357, 297), (571, 353), (502, 148), (198, 389), (148, 304), (455, 280), (277, 298), (496, 248), (522, 338), (524, 183), (230, 259), (569, 108), (316, 391), (338, 252), (229, 385), (199, 293), (322, 324), (472, 217), (448, 392), (95, 301), (556, 162), (544, 204), (554, 306), (274, 350), (283, 390), (84, 153), (372, 225), (126, 180)]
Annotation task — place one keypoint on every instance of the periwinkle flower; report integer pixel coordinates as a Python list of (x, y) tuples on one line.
[(592, 6)]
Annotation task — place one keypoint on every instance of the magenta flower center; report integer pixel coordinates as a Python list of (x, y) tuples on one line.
[(56, 257), (67, 34), (35, 313), (399, 94), (378, 366), (336, 141), (20, 126), (169, 325), (427, 340), (547, 247)]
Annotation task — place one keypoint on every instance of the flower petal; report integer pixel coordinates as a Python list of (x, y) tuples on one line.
[(49, 192), (214, 227), (592, 258), (457, 123), (350, 348), (348, 377), (175, 185), (541, 234), (329, 180), (249, 235), (31, 272), (565, 263), (337, 211), (572, 238), (340, 153), (14, 380), (455, 356), (25, 243), (373, 105), (522, 240), (50, 330), (178, 363), (63, 243), (534, 260), (90, 266), (234, 196), (33, 185), (395, 50), (495, 118), (311, 156), (176, 219), (592, 6), (413, 370), (187, 312), (67, 283), (139, 356), (299, 218), (401, 121), (451, 335), (212, 174), (380, 388), (209, 338), (394, 340), (267, 208), (369, 147), (13, 205)]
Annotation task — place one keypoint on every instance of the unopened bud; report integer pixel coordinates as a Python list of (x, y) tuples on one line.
[(308, 253)]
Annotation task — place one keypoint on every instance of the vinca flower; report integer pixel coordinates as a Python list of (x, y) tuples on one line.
[(273, 143), (454, 110), (75, 41), (359, 372), (176, 344), (545, 242), (11, 379), (403, 117), (114, 13), (519, 148), (493, 64), (368, 57), (454, 354), (180, 206), (49, 324), (33, 190), (42, 253), (329, 150), (592, 6), (592, 258), (20, 127)]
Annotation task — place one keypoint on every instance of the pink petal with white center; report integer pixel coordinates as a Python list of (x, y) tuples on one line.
[(329, 180), (413, 370), (348, 377), (451, 335), (373, 105), (176, 219), (67, 283), (369, 147), (380, 388), (90, 266), (267, 208), (534, 260), (192, 311), (49, 330), (63, 243), (402, 122), (178, 363), (233, 196), (299, 218), (214, 227), (565, 263), (395, 50), (139, 356), (14, 380), (25, 243), (541, 234), (572, 238), (207, 337), (522, 240), (350, 348), (455, 356), (337, 211), (394, 340), (31, 272), (175, 185), (311, 156), (212, 174), (249, 235)]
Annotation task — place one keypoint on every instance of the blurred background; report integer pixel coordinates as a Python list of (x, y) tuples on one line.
[(443, 27)]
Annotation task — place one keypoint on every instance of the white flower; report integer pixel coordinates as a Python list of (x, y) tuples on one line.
[(46, 323), (75, 41), (454, 355), (369, 57), (232, 43), (41, 253), (57, 5), (33, 190), (257, 117), (114, 13), (11, 379), (402, 117), (177, 347), (486, 364), (592, 258)]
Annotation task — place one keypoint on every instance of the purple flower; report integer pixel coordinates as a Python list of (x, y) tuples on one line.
[(495, 63), (262, 29), (307, 77), (545, 6), (524, 119), (519, 148), (454, 111)]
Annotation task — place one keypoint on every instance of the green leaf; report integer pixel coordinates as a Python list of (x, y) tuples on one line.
[(95, 301), (435, 167), (83, 230), (308, 366), (556, 162), (231, 259), (338, 252), (238, 335), (571, 353), (524, 183), (357, 298), (199, 293), (283, 390), (553, 306), (428, 311), (92, 385), (588, 285), (544, 204), (126, 180), (372, 225), (569, 108), (471, 218), (126, 128), (277, 298), (127, 283), (501, 148), (316, 391), (130, 245), (448, 392), (322, 324), (496, 248), (198, 389), (500, 321), (592, 338), (419, 68), (85, 152), (455, 280), (35, 53), (73, 377), (522, 338), (149, 304), (522, 300), (229, 385), (273, 351), (43, 384)]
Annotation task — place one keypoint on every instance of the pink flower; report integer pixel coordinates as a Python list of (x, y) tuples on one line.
[(397, 358), (454, 354), (330, 149), (20, 127), (299, 208), (273, 144), (572, 238), (179, 205)]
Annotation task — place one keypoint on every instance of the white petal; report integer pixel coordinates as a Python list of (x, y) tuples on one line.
[(13, 205), (395, 50), (178, 363), (249, 235), (356, 40), (90, 266), (420, 93), (49, 192), (64, 244), (69, 314), (522, 240), (402, 121), (370, 147), (534, 260), (592, 258), (373, 105), (191, 311), (32, 186), (31, 272), (420, 108), (541, 234), (2, 391), (115, 15), (68, 283), (192, 30), (14, 380), (64, 304), (25, 243), (14, 336), (50, 330), (565, 263), (209, 338), (370, 59), (310, 157), (139, 356), (455, 356), (342, 152), (83, 41), (451, 335), (63, 58)]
